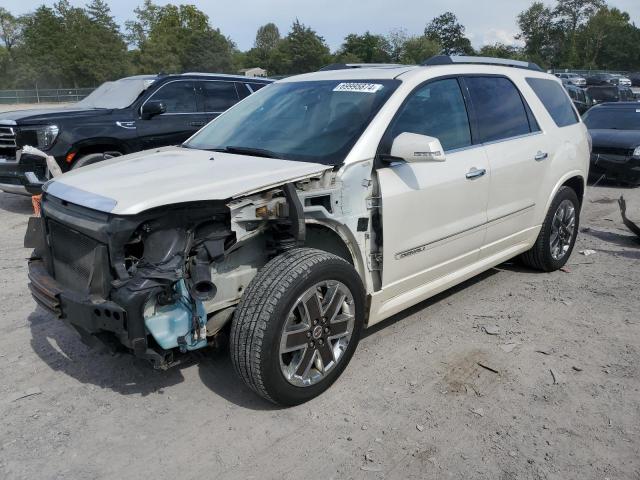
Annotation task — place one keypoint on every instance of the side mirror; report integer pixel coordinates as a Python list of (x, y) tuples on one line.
[(152, 108), (412, 147)]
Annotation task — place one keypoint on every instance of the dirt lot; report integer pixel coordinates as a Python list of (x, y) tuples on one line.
[(414, 402)]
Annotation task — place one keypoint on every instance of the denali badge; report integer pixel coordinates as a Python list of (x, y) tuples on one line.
[(407, 253)]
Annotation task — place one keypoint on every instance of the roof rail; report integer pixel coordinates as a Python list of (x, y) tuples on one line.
[(345, 66), (462, 59)]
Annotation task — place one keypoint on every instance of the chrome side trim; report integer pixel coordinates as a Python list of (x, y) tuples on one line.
[(517, 137), (80, 197), (423, 247), (420, 248), (515, 212)]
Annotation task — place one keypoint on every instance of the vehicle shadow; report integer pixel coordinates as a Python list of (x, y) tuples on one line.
[(12, 203), (620, 239), (63, 351), (217, 374)]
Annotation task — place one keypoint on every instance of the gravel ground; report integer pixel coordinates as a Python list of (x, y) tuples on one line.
[(558, 397)]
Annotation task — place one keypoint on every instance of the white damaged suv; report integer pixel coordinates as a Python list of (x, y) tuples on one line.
[(315, 208)]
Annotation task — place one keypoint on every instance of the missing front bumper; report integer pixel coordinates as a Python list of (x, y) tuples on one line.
[(94, 321)]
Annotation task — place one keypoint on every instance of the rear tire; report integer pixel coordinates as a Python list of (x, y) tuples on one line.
[(558, 234), (297, 325)]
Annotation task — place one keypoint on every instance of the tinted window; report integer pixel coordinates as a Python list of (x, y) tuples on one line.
[(256, 86), (555, 100), (219, 96), (437, 110), (613, 118), (178, 97), (499, 108)]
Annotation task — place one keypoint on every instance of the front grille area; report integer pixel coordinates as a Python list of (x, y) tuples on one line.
[(625, 152), (73, 256), (7, 142)]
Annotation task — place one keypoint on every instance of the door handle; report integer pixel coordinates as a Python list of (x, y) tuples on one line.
[(475, 173), (541, 156), (197, 124)]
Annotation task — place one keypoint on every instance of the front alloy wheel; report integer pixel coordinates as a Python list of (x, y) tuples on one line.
[(317, 333), (297, 325)]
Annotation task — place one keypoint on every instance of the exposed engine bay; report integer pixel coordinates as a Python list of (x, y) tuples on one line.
[(169, 279)]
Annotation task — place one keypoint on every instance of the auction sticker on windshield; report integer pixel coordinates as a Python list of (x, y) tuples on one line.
[(358, 87)]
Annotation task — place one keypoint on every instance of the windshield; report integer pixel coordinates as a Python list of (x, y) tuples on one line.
[(118, 94), (604, 94), (613, 118), (315, 121)]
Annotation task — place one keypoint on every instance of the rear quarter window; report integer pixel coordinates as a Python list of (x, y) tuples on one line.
[(555, 100)]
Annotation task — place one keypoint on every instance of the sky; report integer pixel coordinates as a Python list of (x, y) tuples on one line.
[(487, 21)]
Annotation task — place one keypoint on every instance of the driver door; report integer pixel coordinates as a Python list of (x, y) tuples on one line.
[(434, 213), (182, 118)]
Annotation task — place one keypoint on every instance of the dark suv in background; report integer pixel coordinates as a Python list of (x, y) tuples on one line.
[(120, 117)]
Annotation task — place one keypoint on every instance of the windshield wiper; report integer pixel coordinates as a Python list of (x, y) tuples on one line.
[(256, 152)]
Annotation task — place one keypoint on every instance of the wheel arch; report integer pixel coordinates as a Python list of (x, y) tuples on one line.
[(334, 238), (575, 180), (97, 145)]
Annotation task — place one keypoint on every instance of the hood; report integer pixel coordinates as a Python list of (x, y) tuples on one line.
[(133, 183), (615, 138), (38, 115)]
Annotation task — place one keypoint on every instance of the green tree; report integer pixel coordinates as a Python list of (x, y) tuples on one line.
[(267, 37), (302, 50), (41, 53), (609, 40), (368, 48), (570, 16), (265, 50), (175, 38), (418, 49), (397, 40), (104, 39), (449, 33), (501, 50), (9, 29), (541, 34)]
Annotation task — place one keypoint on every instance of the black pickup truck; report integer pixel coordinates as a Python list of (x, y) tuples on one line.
[(120, 117)]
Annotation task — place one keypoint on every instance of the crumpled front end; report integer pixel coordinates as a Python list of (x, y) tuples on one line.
[(136, 281)]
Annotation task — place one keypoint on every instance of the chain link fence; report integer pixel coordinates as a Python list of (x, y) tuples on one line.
[(50, 95)]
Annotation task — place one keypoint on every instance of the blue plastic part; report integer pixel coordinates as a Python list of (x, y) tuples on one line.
[(173, 321)]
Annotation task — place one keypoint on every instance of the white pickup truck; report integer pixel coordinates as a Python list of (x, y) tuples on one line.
[(315, 208)]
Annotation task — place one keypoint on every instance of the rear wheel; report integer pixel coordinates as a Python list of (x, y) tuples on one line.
[(558, 234), (297, 325)]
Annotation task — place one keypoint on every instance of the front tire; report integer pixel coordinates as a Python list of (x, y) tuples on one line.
[(92, 158), (297, 325), (558, 234)]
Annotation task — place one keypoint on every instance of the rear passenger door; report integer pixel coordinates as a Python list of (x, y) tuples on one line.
[(217, 96), (517, 155)]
